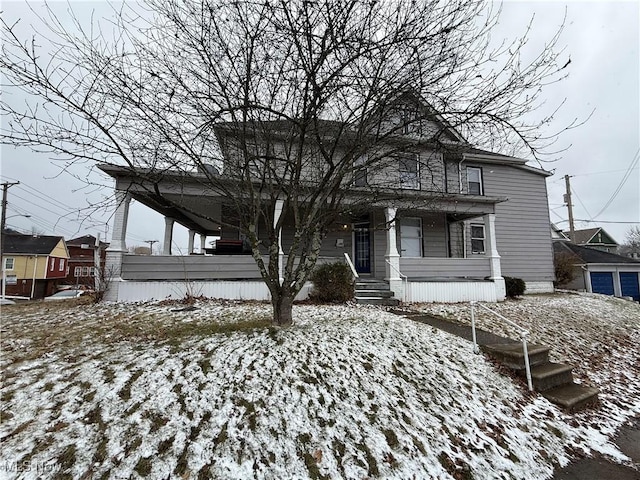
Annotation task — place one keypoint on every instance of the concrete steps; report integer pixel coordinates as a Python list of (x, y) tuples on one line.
[(374, 292), (553, 380)]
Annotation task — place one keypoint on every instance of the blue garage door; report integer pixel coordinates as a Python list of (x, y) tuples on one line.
[(602, 282), (629, 285)]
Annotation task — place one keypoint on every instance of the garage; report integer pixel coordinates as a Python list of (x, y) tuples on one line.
[(629, 285), (602, 282)]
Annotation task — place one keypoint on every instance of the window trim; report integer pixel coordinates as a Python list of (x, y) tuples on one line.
[(77, 272), (480, 182), (6, 261), (483, 239), (62, 264), (404, 184)]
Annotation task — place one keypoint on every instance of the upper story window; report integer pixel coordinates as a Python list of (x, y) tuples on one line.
[(8, 263), (360, 172), (409, 168), (62, 264), (477, 239), (474, 181)]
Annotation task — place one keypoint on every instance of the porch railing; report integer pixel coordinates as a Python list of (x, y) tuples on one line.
[(524, 333), (347, 258), (403, 277)]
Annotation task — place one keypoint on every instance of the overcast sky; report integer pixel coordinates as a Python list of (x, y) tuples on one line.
[(602, 40)]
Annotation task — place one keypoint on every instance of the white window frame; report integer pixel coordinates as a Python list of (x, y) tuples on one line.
[(77, 272), (476, 238), (479, 182), (85, 271), (92, 271), (53, 263), (6, 263), (402, 223), (62, 264), (408, 180)]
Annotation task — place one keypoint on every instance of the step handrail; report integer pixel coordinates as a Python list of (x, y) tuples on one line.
[(351, 266), (404, 279), (524, 333)]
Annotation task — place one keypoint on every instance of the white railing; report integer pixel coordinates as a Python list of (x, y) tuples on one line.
[(351, 266), (403, 277), (521, 331)]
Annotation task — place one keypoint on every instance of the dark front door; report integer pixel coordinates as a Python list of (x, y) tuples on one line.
[(362, 247), (629, 285)]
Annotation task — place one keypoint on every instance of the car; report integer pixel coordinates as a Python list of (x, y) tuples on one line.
[(65, 295)]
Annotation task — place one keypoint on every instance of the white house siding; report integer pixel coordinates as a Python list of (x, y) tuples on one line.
[(451, 292)]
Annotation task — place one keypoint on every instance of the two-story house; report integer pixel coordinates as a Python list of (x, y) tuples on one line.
[(83, 252), (457, 219), (33, 265)]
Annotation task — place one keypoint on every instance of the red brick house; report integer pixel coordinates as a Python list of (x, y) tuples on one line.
[(82, 264)]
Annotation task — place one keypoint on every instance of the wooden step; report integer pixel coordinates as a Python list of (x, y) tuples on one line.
[(374, 293), (390, 302), (572, 397), (512, 356)]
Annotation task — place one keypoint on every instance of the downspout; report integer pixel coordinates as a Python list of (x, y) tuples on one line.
[(33, 282), (464, 224)]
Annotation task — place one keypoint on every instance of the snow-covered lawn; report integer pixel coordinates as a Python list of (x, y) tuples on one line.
[(142, 390)]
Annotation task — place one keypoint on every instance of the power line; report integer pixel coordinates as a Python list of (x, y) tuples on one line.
[(625, 177)]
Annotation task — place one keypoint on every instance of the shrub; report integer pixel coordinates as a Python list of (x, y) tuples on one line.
[(563, 267), (333, 283), (515, 286)]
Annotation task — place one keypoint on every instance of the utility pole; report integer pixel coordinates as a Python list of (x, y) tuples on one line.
[(151, 242), (3, 222), (567, 200)]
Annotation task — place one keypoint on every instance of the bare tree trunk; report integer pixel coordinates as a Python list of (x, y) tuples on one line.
[(282, 309)]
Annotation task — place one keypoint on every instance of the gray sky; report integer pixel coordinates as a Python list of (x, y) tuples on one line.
[(601, 38)]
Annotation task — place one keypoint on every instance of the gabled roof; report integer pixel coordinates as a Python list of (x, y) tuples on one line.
[(85, 240), (588, 236), (590, 255), (29, 244)]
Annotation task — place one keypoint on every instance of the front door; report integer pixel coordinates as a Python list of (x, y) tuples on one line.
[(411, 237), (362, 247)]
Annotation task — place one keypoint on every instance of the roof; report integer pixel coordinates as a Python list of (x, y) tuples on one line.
[(85, 240), (590, 255), (582, 237), (29, 244)]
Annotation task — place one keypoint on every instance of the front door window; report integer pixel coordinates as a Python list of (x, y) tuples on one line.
[(362, 247)]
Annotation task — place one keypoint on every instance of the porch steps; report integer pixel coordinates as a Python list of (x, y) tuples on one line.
[(374, 292), (554, 381)]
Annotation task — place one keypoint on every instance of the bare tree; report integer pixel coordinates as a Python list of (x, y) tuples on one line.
[(631, 245), (276, 101)]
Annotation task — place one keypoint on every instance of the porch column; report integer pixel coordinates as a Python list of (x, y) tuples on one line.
[(392, 257), (168, 235), (117, 247), (277, 213), (203, 240), (192, 236), (491, 252)]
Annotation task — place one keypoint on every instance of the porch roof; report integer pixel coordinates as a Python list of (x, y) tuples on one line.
[(191, 200)]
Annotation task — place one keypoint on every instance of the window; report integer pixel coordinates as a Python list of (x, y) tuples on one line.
[(85, 271), (411, 237), (77, 272), (53, 263), (360, 172), (92, 271), (8, 263), (474, 181), (409, 171), (477, 238), (62, 264)]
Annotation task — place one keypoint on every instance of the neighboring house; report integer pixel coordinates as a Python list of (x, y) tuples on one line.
[(82, 264), (459, 225), (595, 238), (33, 264), (557, 233), (601, 272)]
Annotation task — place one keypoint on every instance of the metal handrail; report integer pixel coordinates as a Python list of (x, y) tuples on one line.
[(524, 333), (351, 266), (404, 279)]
